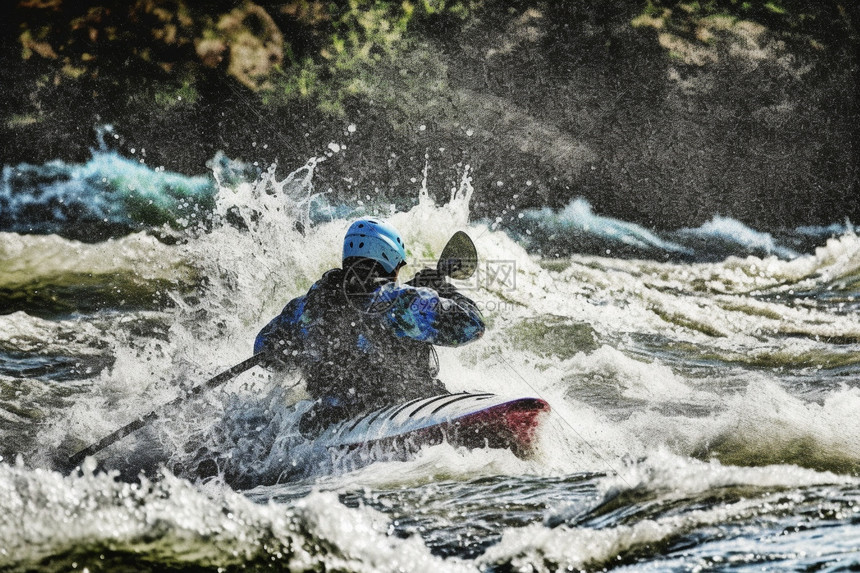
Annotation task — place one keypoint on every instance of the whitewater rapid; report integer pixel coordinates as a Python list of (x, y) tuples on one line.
[(687, 395)]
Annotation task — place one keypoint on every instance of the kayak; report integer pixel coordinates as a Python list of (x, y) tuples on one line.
[(471, 420)]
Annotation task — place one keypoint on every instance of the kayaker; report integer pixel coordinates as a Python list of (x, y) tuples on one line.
[(361, 340)]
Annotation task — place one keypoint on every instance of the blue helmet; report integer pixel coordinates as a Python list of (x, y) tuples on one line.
[(377, 240)]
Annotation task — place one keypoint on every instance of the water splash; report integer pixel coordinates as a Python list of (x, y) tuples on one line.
[(109, 196), (168, 523), (576, 228), (734, 233)]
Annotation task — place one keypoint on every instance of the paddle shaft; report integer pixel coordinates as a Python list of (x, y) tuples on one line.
[(119, 434)]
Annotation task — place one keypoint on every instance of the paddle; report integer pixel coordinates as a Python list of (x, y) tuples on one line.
[(144, 420), (459, 259)]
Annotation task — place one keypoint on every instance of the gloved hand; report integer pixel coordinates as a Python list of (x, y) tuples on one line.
[(449, 266), (430, 278), (277, 357)]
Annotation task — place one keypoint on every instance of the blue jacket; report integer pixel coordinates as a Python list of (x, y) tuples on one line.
[(369, 350)]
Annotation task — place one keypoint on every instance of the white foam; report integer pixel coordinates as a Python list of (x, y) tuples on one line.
[(732, 230), (538, 548), (630, 378), (768, 419), (672, 476), (39, 258), (442, 462), (579, 215), (44, 514), (20, 332), (663, 475)]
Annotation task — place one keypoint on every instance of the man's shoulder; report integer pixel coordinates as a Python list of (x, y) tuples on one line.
[(331, 276), (330, 280)]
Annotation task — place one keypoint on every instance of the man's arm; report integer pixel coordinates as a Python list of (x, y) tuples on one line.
[(438, 315), (281, 336)]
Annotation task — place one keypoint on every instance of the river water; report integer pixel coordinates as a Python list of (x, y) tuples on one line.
[(705, 385)]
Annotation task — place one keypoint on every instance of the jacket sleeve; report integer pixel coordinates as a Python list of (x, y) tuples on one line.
[(282, 334), (442, 316)]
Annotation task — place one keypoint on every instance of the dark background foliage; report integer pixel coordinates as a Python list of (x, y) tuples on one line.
[(665, 113)]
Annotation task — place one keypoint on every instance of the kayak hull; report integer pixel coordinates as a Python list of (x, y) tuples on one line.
[(465, 419)]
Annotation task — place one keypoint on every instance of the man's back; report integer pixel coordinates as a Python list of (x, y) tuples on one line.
[(361, 351)]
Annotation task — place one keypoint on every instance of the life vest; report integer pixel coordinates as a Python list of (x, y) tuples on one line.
[(349, 355)]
